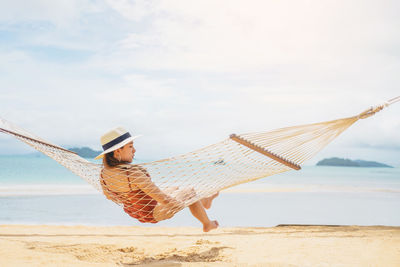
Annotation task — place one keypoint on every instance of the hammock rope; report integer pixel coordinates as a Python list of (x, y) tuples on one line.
[(199, 174)]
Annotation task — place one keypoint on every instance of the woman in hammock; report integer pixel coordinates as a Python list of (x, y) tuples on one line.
[(132, 187)]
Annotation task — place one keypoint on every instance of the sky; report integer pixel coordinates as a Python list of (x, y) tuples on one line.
[(186, 74)]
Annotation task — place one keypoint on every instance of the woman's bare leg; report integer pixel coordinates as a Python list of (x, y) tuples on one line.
[(207, 202), (162, 212), (199, 212)]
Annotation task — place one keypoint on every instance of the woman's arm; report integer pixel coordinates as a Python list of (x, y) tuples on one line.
[(141, 178)]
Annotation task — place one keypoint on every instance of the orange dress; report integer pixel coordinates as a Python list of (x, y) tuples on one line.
[(136, 203)]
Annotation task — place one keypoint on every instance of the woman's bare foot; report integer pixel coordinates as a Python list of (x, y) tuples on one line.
[(210, 226), (208, 201)]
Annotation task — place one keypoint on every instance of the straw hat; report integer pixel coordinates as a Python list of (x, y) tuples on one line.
[(114, 139)]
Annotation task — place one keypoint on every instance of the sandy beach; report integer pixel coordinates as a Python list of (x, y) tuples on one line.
[(44, 245)]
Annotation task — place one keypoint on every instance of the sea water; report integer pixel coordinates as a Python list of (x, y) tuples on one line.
[(37, 190)]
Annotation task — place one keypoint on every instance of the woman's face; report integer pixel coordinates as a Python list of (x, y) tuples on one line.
[(125, 153)]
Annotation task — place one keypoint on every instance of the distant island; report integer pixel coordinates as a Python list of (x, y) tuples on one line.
[(350, 163), (85, 152)]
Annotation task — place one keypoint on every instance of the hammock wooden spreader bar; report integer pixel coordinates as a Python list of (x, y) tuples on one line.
[(265, 152), (35, 140)]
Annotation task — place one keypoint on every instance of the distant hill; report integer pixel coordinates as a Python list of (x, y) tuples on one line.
[(85, 152), (350, 163)]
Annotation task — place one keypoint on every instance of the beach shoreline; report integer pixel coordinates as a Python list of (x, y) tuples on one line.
[(284, 245)]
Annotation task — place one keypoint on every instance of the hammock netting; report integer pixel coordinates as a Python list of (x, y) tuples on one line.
[(199, 174)]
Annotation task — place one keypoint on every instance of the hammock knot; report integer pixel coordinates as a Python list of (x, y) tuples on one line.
[(372, 110)]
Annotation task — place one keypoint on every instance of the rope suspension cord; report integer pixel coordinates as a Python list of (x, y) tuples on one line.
[(199, 174), (372, 110), (34, 140), (393, 100)]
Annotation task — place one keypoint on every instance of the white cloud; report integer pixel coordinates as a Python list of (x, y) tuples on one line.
[(134, 10), (61, 12), (189, 73), (217, 36)]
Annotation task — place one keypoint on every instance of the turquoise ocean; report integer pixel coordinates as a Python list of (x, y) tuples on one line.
[(37, 190)]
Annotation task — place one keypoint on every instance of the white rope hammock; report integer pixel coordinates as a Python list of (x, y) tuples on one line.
[(193, 176)]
